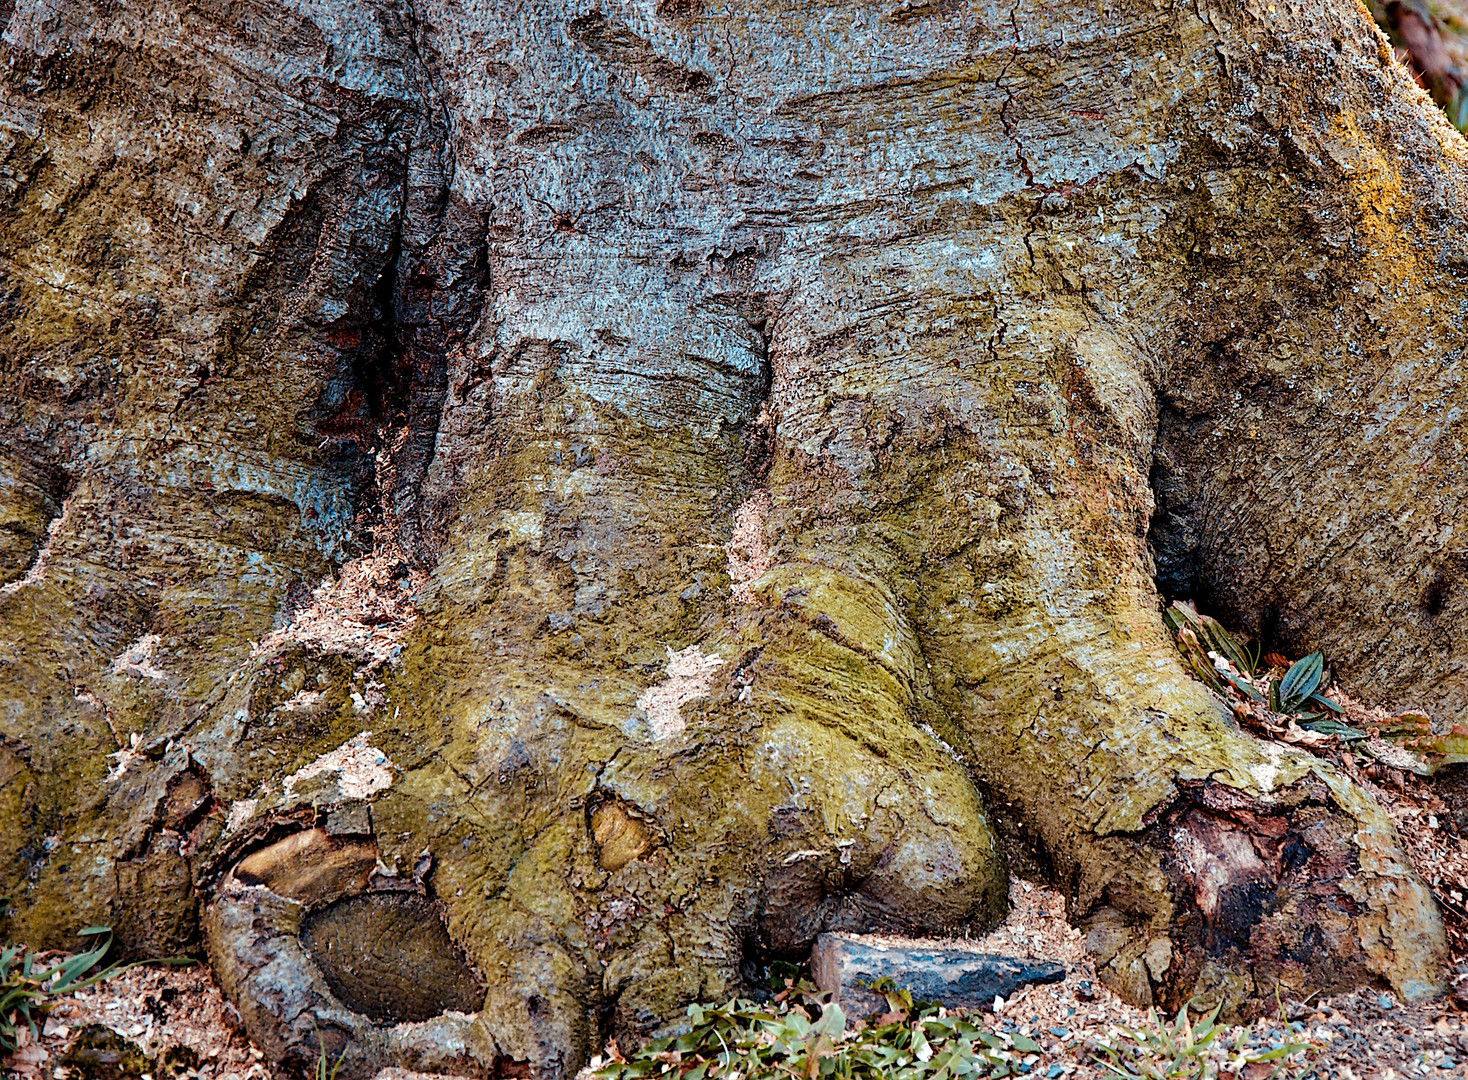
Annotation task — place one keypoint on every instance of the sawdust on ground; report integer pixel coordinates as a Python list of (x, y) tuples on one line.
[(1364, 1035), (175, 1016), (180, 1021)]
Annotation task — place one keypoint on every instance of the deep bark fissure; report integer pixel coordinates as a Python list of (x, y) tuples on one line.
[(1173, 533), (423, 305)]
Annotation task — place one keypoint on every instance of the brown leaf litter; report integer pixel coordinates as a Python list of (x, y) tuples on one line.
[(1363, 1035), (175, 1017)]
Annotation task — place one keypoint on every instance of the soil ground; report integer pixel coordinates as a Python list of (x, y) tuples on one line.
[(182, 1027)]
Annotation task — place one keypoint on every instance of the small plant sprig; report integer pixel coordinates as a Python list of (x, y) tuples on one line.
[(324, 1069), (1299, 687), (27, 990), (1198, 635), (1182, 1050), (1429, 751), (1293, 699), (1228, 666)]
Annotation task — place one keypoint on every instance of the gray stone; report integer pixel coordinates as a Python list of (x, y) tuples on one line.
[(953, 976)]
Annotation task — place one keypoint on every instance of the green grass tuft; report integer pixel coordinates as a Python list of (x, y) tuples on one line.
[(27, 989)]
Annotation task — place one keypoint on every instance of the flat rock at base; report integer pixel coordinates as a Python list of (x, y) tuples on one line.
[(952, 976)]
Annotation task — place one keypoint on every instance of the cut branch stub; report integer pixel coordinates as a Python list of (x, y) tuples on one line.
[(313, 957), (620, 837), (388, 955), (311, 867)]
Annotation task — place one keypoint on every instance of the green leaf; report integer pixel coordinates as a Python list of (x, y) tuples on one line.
[(1024, 1044), (832, 1022), (1300, 681), (1328, 726), (1278, 1052), (1191, 639), (1244, 687), (1457, 109), (1321, 699), (1223, 643), (1407, 725)]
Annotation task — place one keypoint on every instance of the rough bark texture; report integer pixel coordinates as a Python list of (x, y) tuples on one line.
[(765, 407)]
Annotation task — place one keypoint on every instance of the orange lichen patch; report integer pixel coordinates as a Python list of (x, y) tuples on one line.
[(365, 612), (138, 659), (746, 550), (1376, 185), (359, 769), (37, 570), (690, 675)]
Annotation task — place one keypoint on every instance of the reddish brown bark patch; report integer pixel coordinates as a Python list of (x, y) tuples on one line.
[(1248, 874)]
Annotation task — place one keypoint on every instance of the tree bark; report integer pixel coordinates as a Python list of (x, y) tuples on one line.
[(730, 438)]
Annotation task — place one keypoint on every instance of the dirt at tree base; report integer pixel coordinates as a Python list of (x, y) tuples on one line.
[(183, 1027), (161, 1011)]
